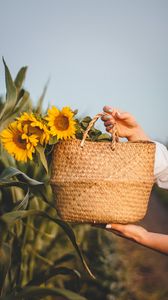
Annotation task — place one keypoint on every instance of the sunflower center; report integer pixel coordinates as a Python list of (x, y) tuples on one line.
[(19, 142), (61, 122), (35, 130)]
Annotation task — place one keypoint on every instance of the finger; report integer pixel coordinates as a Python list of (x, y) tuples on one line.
[(109, 127), (107, 109), (118, 227), (122, 116), (116, 112), (110, 122), (103, 226), (106, 117), (120, 234)]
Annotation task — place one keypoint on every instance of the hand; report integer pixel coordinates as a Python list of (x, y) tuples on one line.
[(138, 234), (129, 231), (126, 124)]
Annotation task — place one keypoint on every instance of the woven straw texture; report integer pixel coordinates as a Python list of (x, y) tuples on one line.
[(96, 184)]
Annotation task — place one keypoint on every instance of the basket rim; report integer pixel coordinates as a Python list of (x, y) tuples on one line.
[(105, 142), (111, 180)]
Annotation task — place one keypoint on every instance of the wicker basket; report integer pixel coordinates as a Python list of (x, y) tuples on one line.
[(102, 182)]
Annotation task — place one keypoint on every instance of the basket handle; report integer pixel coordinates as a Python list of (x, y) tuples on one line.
[(113, 131)]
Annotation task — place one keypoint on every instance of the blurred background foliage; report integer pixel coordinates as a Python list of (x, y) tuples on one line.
[(39, 254)]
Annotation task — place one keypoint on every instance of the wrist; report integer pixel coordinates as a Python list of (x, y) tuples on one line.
[(138, 134), (142, 236)]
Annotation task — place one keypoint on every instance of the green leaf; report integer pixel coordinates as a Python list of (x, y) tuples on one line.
[(5, 260), (75, 111), (87, 119), (11, 93), (53, 140), (22, 102), (23, 203), (7, 183), (63, 259), (42, 277), (11, 217), (9, 112), (10, 172), (44, 198), (41, 292), (104, 136), (40, 151), (72, 238), (79, 135), (85, 122), (20, 77), (94, 133)]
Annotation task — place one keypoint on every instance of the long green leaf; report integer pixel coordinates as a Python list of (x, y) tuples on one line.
[(20, 77), (8, 183), (22, 102), (9, 113), (41, 292), (11, 93), (24, 202), (42, 277), (42, 157), (11, 217), (10, 172), (63, 259), (5, 260)]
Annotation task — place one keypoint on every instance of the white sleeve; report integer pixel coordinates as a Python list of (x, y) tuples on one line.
[(161, 165)]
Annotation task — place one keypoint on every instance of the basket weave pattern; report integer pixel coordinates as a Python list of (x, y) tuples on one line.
[(98, 184)]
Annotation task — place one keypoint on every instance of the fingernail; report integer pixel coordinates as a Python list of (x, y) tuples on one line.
[(118, 114), (108, 226), (110, 110), (107, 117)]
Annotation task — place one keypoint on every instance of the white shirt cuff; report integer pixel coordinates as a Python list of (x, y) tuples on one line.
[(161, 165)]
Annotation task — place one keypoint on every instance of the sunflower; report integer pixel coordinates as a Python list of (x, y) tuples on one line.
[(17, 143), (61, 123), (31, 125)]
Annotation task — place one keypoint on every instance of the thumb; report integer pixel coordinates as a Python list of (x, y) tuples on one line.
[(118, 227), (122, 116)]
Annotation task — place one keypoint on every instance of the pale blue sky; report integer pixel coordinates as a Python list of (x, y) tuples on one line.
[(95, 52)]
